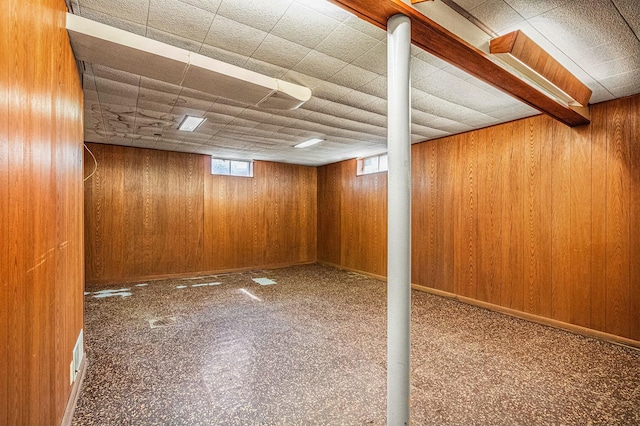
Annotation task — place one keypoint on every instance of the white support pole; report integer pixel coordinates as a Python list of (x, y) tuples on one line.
[(399, 220)]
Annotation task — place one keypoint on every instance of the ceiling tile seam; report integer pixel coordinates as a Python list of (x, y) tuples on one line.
[(615, 6), (453, 103), (146, 24)]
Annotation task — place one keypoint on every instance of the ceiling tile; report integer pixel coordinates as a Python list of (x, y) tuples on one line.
[(265, 68), (374, 60), (278, 51), (130, 10), (172, 39), (630, 11), (234, 36), (114, 21), (326, 8), (496, 14), (625, 84), (107, 73), (223, 55), (528, 9), (377, 87), (335, 44), (573, 28), (421, 69), (256, 13), (469, 4), (359, 99), (304, 26), (331, 91), (319, 65), (352, 77), (615, 67), (301, 79), (365, 27), (175, 17), (108, 89), (122, 97), (208, 5)]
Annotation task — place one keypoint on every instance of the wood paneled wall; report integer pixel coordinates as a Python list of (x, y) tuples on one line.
[(41, 252), (352, 218), (154, 213), (530, 215)]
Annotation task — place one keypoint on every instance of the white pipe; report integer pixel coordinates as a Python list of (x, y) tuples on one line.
[(399, 220)]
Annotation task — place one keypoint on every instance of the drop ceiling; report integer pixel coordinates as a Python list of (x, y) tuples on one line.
[(342, 59)]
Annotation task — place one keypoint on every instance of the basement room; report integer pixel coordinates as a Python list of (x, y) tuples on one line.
[(319, 212)]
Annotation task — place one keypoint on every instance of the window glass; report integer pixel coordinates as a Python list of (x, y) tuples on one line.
[(240, 168), (220, 166), (375, 164)]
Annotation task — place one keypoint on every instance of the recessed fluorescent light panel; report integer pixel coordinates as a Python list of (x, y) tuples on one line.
[(308, 143), (190, 123)]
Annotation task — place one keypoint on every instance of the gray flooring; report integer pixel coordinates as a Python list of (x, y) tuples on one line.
[(310, 350)]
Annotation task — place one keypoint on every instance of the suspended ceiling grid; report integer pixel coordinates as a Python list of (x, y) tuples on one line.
[(343, 60)]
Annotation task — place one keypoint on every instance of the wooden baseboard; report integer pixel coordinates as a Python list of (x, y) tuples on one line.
[(119, 281), (344, 268), (584, 331), (75, 393)]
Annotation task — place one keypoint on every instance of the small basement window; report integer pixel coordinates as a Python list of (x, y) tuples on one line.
[(375, 164), (220, 166)]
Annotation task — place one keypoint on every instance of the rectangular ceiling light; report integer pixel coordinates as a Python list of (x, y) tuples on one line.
[(308, 143), (532, 63), (190, 123)]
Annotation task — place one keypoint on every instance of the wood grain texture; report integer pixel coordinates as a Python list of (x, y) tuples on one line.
[(598, 216), (41, 273), (156, 213), (329, 220), (423, 220), (512, 295), (489, 166), (531, 215), (367, 248), (5, 24), (634, 219), (467, 223), (445, 201), (580, 227), (561, 224), (617, 218)]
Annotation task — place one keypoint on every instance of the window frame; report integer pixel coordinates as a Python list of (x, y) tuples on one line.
[(360, 164), (230, 162)]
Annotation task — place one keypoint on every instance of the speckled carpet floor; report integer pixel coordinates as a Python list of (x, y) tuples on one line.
[(310, 350)]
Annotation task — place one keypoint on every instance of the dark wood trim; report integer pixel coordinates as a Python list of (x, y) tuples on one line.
[(437, 40)]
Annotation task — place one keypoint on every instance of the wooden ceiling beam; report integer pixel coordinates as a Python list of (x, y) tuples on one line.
[(437, 40)]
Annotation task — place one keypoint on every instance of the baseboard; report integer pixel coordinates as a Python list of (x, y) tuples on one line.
[(119, 281), (576, 329), (75, 393), (344, 268)]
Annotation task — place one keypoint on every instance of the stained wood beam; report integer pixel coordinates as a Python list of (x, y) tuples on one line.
[(437, 40)]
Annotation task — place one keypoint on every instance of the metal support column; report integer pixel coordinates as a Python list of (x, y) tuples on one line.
[(399, 220)]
